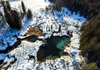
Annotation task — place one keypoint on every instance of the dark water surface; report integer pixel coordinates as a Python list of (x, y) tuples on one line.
[(52, 48)]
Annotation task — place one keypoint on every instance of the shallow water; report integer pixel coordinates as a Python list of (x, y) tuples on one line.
[(52, 48)]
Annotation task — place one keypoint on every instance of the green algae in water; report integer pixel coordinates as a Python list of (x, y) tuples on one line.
[(53, 47)]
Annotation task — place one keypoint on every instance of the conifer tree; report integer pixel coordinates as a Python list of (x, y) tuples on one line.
[(8, 19), (17, 21), (29, 14), (8, 5), (23, 7)]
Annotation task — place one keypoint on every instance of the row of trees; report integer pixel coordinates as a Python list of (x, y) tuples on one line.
[(28, 13), (12, 15), (87, 8), (90, 41)]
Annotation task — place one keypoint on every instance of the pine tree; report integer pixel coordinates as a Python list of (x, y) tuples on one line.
[(57, 5), (8, 5), (23, 7), (8, 19), (29, 14), (17, 20)]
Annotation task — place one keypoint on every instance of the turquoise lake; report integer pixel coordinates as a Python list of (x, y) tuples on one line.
[(52, 48)]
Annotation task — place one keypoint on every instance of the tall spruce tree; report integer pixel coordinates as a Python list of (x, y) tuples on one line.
[(17, 20), (8, 19), (29, 14), (23, 7), (8, 5)]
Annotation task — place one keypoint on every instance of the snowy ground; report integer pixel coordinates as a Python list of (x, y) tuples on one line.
[(48, 23)]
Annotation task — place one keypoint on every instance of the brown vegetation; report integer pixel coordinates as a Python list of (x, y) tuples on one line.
[(34, 31)]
